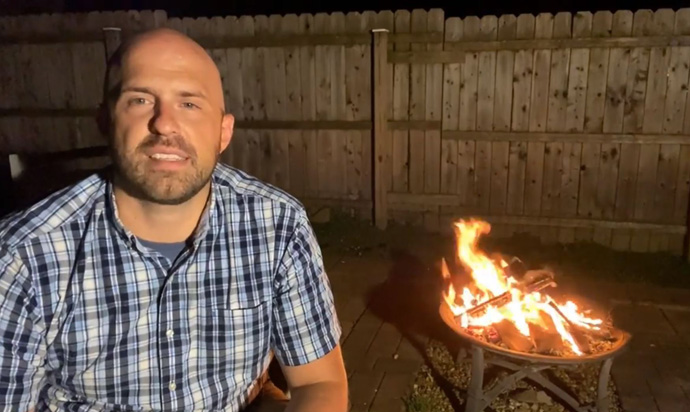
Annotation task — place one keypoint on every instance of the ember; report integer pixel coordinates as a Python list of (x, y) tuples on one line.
[(505, 305)]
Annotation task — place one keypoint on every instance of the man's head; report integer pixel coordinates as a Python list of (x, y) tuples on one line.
[(164, 115)]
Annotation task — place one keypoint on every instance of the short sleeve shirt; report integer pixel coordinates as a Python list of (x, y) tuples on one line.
[(91, 319)]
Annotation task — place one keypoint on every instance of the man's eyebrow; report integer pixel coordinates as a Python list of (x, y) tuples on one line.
[(136, 89), (187, 93)]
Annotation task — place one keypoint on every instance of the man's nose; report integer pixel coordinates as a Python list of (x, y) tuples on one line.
[(164, 121)]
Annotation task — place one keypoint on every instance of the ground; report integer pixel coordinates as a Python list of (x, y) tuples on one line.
[(387, 288)]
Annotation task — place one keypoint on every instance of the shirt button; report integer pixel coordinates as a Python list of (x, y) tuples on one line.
[(172, 386), (170, 333)]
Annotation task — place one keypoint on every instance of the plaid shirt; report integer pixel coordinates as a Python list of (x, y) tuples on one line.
[(91, 320)]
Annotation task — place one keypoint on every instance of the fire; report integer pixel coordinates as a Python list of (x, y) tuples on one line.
[(511, 299)]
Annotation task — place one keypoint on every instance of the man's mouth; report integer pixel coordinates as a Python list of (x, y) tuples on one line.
[(167, 157)]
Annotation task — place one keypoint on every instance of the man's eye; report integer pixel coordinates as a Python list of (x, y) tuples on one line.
[(188, 105), (137, 100)]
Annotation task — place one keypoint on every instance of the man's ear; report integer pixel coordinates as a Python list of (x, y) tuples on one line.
[(227, 127)]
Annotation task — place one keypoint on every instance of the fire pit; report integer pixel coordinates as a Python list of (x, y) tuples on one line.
[(505, 309)]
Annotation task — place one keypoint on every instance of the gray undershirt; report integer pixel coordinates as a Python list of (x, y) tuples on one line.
[(169, 250)]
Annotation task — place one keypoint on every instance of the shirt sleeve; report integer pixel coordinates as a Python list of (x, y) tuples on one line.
[(21, 337), (306, 326)]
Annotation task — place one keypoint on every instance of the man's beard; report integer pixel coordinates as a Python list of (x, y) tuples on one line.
[(162, 187)]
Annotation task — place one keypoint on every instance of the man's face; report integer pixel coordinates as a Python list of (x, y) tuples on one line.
[(168, 124)]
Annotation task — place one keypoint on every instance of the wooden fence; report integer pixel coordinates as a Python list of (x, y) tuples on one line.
[(570, 127)]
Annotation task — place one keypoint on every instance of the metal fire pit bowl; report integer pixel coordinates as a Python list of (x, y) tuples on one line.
[(530, 366)]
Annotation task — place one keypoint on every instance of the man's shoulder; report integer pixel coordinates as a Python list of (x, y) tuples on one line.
[(52, 213), (240, 183)]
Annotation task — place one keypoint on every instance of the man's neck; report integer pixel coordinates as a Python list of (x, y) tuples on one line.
[(160, 223)]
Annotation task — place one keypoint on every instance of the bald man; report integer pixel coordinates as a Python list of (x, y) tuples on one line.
[(168, 280)]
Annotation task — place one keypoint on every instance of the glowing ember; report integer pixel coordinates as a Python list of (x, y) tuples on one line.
[(508, 298)]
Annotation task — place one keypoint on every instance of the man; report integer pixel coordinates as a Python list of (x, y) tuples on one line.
[(165, 283)]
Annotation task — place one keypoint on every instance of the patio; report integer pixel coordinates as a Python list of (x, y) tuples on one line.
[(386, 288)]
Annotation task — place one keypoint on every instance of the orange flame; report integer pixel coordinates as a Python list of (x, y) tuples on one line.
[(490, 280)]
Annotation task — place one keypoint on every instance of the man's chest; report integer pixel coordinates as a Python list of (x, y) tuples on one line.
[(134, 330)]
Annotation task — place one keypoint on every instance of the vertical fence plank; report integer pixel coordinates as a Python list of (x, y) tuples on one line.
[(451, 111), (556, 122), (371, 23), (612, 123), (339, 107), (417, 106), (354, 55), (503, 97), (433, 111), (680, 211), (297, 153), (467, 178), (380, 121), (401, 104), (633, 115), (251, 92), (575, 122), (522, 90), (594, 122), (538, 117), (674, 113), (12, 81), (307, 64), (486, 79), (325, 140), (234, 93), (647, 189)]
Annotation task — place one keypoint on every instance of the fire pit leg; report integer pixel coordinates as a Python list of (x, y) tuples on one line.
[(603, 389), (475, 393)]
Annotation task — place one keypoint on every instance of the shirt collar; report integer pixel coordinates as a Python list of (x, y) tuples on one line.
[(208, 222)]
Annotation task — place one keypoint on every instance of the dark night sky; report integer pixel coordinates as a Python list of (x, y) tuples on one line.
[(252, 7)]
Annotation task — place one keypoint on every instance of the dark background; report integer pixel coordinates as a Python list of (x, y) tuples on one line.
[(207, 8)]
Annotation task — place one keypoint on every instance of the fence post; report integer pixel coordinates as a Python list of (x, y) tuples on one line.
[(112, 38), (381, 95)]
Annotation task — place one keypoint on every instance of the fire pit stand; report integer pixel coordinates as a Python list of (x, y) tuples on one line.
[(530, 366), (478, 399)]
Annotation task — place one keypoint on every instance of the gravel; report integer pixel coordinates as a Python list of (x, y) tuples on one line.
[(441, 386)]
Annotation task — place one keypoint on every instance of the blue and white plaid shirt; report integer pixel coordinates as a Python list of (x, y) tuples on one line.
[(90, 320)]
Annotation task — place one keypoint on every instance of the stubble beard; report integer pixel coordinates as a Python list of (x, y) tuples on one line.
[(160, 187)]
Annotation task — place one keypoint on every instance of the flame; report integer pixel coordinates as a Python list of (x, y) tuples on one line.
[(490, 280)]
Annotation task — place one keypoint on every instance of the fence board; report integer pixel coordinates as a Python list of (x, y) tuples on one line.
[(434, 111), (417, 106), (307, 67), (522, 88), (575, 115), (538, 116), (486, 78), (594, 120), (633, 115), (613, 122), (355, 92), (297, 147), (467, 178), (555, 121), (401, 104), (251, 102), (503, 96), (451, 111), (647, 189), (674, 117)]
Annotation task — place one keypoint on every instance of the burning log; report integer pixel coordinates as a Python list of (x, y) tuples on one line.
[(533, 281), (512, 338), (546, 338)]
